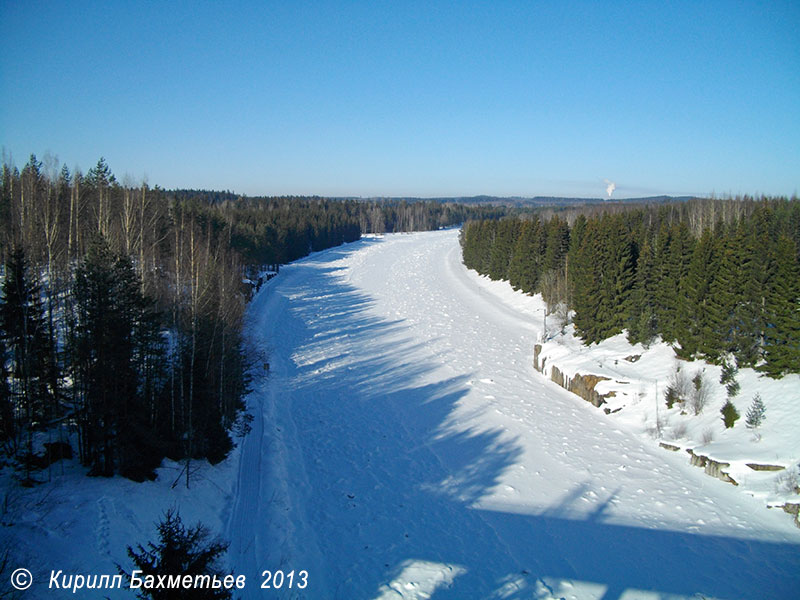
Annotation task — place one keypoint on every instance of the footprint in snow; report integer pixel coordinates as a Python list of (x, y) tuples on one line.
[(103, 525)]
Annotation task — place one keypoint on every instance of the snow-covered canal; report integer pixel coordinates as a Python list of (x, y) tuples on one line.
[(404, 447)]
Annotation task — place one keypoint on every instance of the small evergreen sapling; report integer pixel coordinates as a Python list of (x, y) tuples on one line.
[(756, 413), (729, 414), (728, 378), (729, 371)]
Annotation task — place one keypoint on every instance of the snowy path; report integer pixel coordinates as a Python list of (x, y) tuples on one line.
[(404, 447)]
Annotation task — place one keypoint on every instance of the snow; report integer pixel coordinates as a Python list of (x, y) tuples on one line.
[(410, 450), (403, 446), (82, 525), (637, 378)]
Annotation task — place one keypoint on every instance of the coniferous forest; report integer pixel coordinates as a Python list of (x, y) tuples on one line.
[(718, 279), (122, 308)]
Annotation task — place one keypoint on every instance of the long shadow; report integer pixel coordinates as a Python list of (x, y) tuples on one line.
[(372, 421), (666, 563)]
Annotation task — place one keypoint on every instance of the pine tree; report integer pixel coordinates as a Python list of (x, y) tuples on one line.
[(179, 551)]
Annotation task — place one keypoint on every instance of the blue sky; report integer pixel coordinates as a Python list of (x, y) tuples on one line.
[(410, 98)]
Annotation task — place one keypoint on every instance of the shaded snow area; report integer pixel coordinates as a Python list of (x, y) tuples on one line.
[(82, 525), (404, 447)]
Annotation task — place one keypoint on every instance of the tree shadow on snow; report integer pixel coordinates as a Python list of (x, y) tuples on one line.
[(396, 486)]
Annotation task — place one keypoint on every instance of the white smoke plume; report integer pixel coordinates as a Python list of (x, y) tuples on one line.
[(610, 187)]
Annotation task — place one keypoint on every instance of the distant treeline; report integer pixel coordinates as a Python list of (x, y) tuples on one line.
[(281, 229), (122, 307), (716, 278)]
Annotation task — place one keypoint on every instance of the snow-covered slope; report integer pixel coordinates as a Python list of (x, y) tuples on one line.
[(634, 380), (406, 448)]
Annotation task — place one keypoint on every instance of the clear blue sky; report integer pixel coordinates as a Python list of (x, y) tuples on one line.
[(410, 98)]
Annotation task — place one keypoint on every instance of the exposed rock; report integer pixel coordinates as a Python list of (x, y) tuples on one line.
[(793, 509), (557, 377), (633, 357), (711, 467), (537, 350), (581, 385), (757, 467), (667, 446)]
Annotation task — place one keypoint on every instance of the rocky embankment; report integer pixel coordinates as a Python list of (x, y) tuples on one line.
[(583, 385)]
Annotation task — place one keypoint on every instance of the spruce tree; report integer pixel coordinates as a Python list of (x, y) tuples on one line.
[(524, 270), (695, 292), (748, 319), (642, 324), (623, 274), (782, 311), (673, 248), (96, 347), (585, 285), (724, 292), (614, 268), (502, 248), (756, 413), (24, 327), (8, 425), (179, 551), (136, 323), (113, 336), (556, 244), (729, 414)]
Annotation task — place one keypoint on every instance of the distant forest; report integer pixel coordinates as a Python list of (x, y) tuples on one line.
[(718, 279), (122, 308)]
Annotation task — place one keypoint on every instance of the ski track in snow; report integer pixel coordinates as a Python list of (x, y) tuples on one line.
[(404, 447)]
